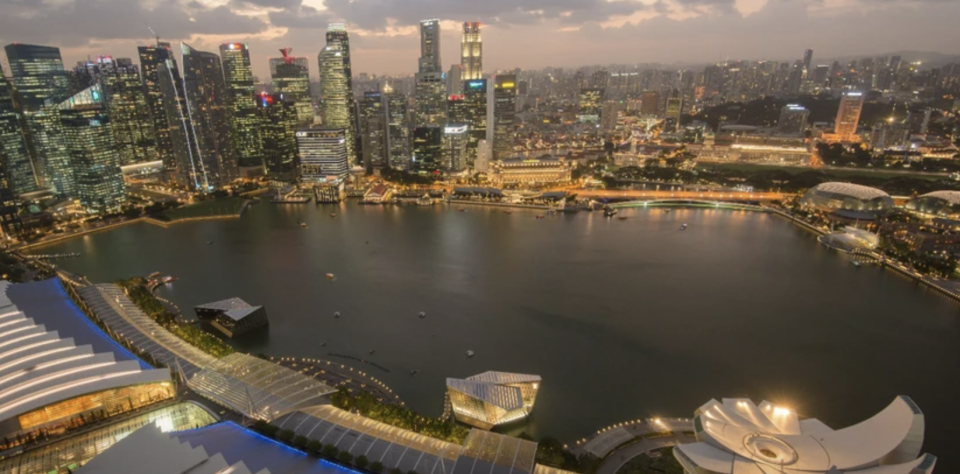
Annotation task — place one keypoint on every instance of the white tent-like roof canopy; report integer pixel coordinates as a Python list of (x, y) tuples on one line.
[(739, 437)]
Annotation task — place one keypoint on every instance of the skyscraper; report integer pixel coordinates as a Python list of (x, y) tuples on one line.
[(475, 105), (504, 113), (213, 161), (429, 79), (650, 104), (471, 52), (807, 62), (94, 160), (151, 59), (291, 77), (398, 134), (454, 81), (454, 145), (322, 154), (335, 94), (242, 106), (338, 32), (427, 150), (277, 115), (38, 75), (40, 81), (16, 170), (793, 119), (848, 117), (373, 130), (129, 111)]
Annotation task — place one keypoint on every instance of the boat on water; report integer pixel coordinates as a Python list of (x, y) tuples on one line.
[(423, 315), (622, 218), (209, 242), (333, 214), (609, 212), (683, 227), (372, 352), (856, 263), (169, 279), (463, 210), (414, 372), (153, 275), (508, 212), (336, 315), (330, 276), (540, 217), (470, 354), (323, 344), (303, 225)]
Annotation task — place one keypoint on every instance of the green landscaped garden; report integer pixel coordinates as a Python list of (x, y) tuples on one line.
[(212, 208)]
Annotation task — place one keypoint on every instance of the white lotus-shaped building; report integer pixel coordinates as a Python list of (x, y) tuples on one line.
[(738, 437)]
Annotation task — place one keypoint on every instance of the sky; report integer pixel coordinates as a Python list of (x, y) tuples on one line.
[(529, 34)]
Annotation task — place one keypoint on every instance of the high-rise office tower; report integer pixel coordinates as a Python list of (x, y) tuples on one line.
[(94, 160), (610, 117), (278, 118), (322, 154), (504, 115), (457, 110), (38, 75), (475, 105), (151, 59), (793, 119), (471, 52), (430, 46), (430, 83), (241, 105), (674, 111), (129, 110), (807, 61), (211, 161), (338, 32), (335, 95), (848, 116), (650, 104), (398, 134), (454, 81), (454, 143), (427, 150), (291, 77), (373, 130), (590, 105), (16, 170), (40, 82), (484, 156)]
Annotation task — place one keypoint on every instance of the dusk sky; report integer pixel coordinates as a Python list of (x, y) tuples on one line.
[(517, 33)]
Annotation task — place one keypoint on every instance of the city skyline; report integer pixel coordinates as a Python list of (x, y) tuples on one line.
[(579, 33)]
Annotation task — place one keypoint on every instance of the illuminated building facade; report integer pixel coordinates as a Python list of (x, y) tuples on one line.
[(471, 52), (214, 163), (58, 376), (128, 109), (475, 115), (241, 105), (278, 117), (504, 115), (674, 111), (848, 118), (847, 200), (291, 77), (94, 161), (16, 170), (373, 130), (737, 436), (151, 60), (454, 142), (944, 204), (337, 32), (427, 150), (398, 134), (335, 93), (38, 75), (492, 399), (542, 170), (322, 154), (430, 82), (793, 119), (590, 105)]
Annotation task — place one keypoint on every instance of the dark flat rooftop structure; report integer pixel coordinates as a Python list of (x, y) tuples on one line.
[(226, 305)]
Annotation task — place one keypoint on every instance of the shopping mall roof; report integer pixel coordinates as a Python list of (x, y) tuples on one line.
[(952, 197), (486, 452), (736, 436), (216, 449), (40, 366), (257, 388), (393, 447), (852, 190)]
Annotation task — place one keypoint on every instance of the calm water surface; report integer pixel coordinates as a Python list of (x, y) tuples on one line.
[(622, 318)]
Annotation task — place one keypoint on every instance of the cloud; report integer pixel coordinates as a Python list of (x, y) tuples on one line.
[(302, 16), (79, 22)]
